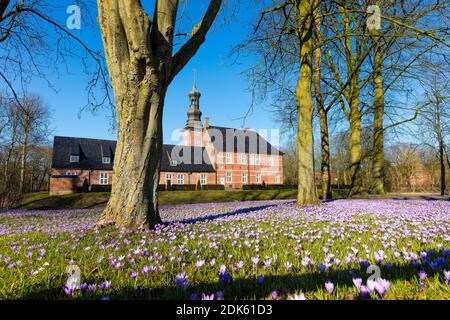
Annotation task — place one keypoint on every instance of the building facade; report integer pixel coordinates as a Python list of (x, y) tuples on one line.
[(208, 154)]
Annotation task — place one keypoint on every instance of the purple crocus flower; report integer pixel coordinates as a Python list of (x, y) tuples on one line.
[(180, 281), (357, 282), (207, 297), (364, 292), (447, 277), (329, 286), (225, 277), (104, 285), (193, 296), (422, 275), (133, 275), (274, 294), (321, 267), (260, 279), (382, 286), (219, 295), (69, 289), (363, 264), (84, 287), (91, 288), (301, 296)]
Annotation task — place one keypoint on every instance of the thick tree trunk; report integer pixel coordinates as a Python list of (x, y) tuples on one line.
[(141, 67), (133, 203), (323, 116), (354, 143), (305, 142), (378, 130)]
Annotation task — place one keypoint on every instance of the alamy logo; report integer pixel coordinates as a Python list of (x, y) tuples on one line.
[(74, 20), (374, 20)]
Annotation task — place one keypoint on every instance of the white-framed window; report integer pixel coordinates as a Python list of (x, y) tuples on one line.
[(243, 158), (252, 159), (270, 160), (229, 157), (180, 178), (173, 163), (106, 160), (71, 173), (203, 179), (244, 177), (277, 178), (229, 177), (258, 177), (74, 158), (103, 177), (168, 178), (257, 160)]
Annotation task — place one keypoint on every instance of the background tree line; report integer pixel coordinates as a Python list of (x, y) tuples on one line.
[(25, 150), (325, 68)]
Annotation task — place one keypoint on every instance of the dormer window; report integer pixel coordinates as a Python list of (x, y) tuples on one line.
[(173, 163), (106, 160), (74, 159)]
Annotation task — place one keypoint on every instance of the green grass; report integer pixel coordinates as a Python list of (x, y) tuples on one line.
[(273, 233), (44, 201)]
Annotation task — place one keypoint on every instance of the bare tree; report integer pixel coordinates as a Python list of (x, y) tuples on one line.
[(33, 117), (141, 64), (435, 121)]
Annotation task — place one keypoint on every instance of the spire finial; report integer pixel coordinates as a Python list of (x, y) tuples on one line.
[(195, 74)]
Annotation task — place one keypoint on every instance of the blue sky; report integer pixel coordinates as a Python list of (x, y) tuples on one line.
[(225, 98)]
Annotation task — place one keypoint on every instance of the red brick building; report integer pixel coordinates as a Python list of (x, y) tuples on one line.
[(208, 154)]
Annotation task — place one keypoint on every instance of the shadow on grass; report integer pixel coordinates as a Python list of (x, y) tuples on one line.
[(249, 288), (223, 215)]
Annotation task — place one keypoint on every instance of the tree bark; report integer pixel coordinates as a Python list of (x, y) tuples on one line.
[(23, 159), (141, 67), (323, 114), (443, 187), (305, 142), (378, 129), (355, 142)]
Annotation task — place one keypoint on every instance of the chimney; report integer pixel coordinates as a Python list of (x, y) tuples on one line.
[(206, 125)]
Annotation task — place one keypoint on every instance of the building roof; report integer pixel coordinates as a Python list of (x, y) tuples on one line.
[(91, 151), (240, 140)]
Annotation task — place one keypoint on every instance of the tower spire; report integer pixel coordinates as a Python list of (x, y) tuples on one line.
[(194, 114)]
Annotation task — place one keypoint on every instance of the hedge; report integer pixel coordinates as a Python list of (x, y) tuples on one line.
[(213, 187), (100, 188), (264, 186), (183, 187)]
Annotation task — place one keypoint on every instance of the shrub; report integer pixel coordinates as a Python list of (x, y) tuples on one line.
[(100, 188), (183, 187), (161, 187), (213, 187), (264, 186)]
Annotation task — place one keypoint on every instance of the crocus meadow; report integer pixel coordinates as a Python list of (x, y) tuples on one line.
[(343, 249)]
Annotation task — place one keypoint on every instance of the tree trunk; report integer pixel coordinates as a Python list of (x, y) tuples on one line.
[(305, 142), (441, 151), (141, 67), (378, 130), (355, 142), (323, 115), (133, 203), (23, 158)]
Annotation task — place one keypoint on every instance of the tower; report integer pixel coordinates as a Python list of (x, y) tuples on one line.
[(194, 114)]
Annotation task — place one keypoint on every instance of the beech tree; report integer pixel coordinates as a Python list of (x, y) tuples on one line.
[(141, 65)]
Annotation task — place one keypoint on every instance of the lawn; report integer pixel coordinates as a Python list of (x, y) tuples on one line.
[(45, 201), (237, 250)]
